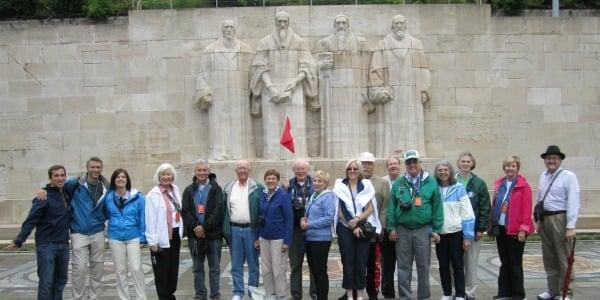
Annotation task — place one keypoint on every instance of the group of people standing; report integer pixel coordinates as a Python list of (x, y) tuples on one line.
[(382, 225)]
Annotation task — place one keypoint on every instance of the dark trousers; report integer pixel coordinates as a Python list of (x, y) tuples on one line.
[(317, 253), (52, 267), (372, 269), (510, 279), (296, 255), (209, 250), (388, 266), (354, 253), (450, 251), (165, 265)]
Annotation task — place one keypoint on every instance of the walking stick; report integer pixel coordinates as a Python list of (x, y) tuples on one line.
[(571, 261)]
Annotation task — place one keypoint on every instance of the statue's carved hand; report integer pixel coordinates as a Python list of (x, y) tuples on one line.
[(385, 97), (205, 102)]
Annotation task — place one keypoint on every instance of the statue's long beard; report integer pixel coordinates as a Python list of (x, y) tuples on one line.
[(283, 34), (342, 37)]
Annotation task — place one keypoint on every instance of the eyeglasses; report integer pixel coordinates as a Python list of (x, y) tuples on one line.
[(411, 162), (352, 169)]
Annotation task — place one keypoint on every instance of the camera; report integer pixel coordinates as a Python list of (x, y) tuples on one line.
[(261, 220), (298, 203), (406, 206), (367, 230)]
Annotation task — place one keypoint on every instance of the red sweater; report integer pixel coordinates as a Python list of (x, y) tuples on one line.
[(519, 207)]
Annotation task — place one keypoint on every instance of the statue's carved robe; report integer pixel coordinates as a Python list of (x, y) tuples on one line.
[(343, 95), (283, 60), (225, 74), (400, 68)]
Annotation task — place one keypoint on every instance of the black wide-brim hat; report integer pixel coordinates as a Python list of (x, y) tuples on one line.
[(553, 149)]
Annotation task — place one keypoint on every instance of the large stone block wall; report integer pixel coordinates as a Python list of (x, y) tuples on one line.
[(124, 90)]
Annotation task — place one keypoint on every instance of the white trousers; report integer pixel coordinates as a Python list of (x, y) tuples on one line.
[(128, 253)]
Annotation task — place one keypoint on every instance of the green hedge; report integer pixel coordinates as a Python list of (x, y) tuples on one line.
[(102, 9)]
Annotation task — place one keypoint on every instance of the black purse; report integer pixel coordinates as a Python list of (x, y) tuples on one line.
[(538, 210), (367, 230)]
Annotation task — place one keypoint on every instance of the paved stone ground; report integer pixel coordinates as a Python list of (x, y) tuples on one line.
[(18, 279)]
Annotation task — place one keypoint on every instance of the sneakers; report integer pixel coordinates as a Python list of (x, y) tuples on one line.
[(545, 296), (236, 297), (459, 298), (448, 298)]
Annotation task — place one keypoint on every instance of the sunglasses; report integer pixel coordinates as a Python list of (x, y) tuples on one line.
[(352, 169)]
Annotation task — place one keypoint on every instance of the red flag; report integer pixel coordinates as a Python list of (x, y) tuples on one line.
[(287, 138)]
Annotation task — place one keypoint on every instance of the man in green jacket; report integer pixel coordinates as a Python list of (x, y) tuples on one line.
[(240, 226), (415, 216)]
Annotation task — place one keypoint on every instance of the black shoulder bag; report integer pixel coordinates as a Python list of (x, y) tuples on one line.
[(538, 210)]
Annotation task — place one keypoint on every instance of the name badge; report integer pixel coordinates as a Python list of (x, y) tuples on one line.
[(200, 208), (418, 201)]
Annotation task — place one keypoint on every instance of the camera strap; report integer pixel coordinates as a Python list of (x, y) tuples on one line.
[(550, 186)]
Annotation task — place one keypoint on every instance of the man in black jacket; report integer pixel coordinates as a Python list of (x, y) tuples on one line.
[(51, 219), (202, 208)]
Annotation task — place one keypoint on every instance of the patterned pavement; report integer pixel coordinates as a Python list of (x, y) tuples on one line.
[(18, 279)]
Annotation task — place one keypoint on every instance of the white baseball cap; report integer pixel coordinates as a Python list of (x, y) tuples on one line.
[(366, 156)]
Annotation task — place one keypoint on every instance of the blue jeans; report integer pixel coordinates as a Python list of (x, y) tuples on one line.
[(52, 269), (242, 249), (207, 250)]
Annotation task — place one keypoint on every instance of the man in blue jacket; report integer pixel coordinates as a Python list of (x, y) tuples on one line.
[(51, 220), (87, 228)]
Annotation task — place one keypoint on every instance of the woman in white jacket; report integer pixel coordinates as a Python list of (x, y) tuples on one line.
[(457, 232), (356, 204), (164, 230)]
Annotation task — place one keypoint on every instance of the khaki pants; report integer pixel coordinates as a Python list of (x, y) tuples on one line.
[(555, 250), (87, 250), (274, 264), (471, 261)]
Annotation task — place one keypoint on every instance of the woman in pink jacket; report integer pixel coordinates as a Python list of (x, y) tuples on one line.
[(510, 223)]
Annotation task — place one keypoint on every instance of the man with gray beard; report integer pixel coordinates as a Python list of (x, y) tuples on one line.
[(283, 81), (343, 73)]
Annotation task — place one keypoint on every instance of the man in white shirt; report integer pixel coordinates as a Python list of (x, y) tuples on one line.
[(557, 228), (241, 226)]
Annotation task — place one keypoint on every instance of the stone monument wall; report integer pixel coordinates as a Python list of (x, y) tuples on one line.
[(125, 90)]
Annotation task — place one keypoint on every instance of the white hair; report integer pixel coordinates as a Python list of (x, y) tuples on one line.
[(300, 162), (202, 162), (164, 168)]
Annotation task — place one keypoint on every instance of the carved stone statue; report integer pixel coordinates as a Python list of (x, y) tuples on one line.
[(283, 78), (344, 67), (222, 89), (399, 82)]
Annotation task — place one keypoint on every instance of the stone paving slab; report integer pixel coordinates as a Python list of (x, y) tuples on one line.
[(18, 279)]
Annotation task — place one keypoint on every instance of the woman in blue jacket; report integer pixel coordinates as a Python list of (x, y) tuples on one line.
[(275, 235), (318, 224), (124, 208)]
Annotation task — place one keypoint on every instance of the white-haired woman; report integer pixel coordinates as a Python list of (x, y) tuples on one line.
[(164, 230)]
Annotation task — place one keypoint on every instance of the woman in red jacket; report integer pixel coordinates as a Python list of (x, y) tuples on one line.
[(510, 222)]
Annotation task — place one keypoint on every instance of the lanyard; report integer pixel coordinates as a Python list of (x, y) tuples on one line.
[(416, 187)]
